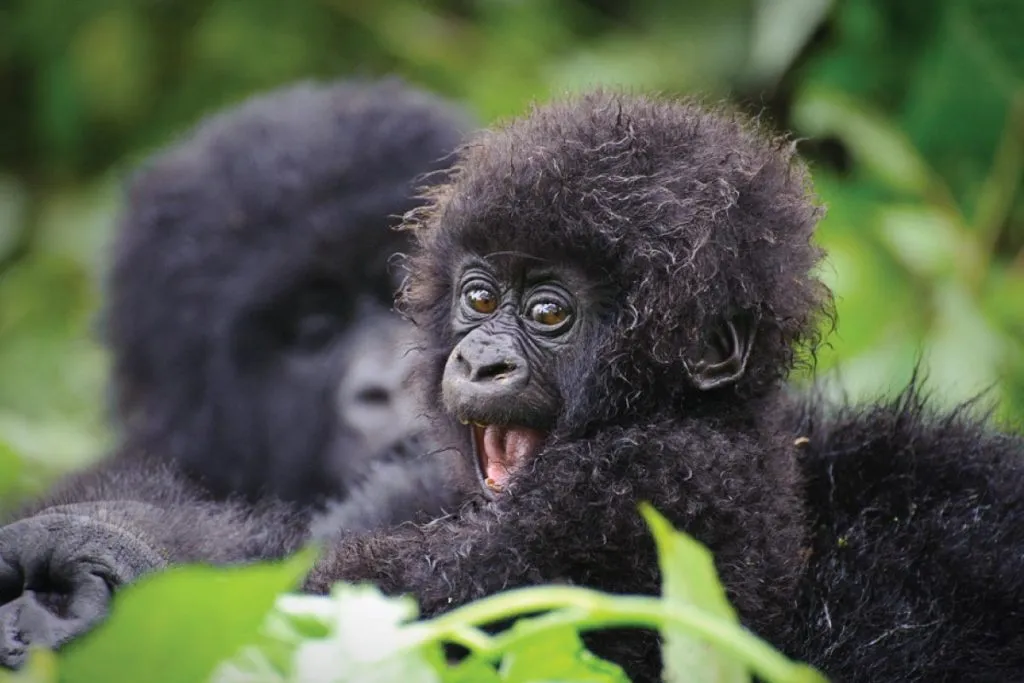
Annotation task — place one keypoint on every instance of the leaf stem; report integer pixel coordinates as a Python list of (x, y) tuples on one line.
[(471, 638), (586, 610)]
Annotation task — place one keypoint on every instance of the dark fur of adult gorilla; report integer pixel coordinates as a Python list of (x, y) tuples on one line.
[(611, 293), (249, 313)]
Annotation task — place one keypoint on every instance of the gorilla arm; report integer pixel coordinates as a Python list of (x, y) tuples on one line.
[(65, 555), (62, 557)]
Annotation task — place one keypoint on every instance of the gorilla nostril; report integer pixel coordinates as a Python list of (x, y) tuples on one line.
[(374, 395), (497, 371)]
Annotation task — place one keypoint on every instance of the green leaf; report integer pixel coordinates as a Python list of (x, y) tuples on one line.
[(251, 665), (175, 626), (1003, 183), (781, 30), (13, 205), (927, 241), (11, 473), (881, 149), (114, 65), (689, 576), (472, 670), (954, 81), (41, 667), (964, 353), (556, 655), (991, 28)]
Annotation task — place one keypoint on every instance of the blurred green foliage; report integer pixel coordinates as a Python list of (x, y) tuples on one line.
[(910, 111)]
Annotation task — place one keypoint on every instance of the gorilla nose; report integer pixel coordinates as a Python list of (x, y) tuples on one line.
[(485, 365)]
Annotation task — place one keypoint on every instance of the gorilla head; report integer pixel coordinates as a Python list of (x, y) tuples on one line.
[(609, 261), (250, 296)]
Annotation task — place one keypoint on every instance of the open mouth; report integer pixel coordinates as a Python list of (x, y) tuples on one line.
[(501, 450)]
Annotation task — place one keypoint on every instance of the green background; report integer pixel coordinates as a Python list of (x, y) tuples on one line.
[(912, 114)]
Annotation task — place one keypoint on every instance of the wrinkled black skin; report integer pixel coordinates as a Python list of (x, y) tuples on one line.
[(690, 220), (500, 370), (250, 299)]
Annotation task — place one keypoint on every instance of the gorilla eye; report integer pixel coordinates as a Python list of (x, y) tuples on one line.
[(315, 331), (549, 313), (481, 300)]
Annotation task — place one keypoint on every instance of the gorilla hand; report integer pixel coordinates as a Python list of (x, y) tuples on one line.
[(59, 569)]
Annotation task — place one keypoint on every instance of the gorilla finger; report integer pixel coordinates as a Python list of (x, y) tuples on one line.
[(44, 620)]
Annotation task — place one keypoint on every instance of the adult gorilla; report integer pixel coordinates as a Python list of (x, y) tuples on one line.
[(250, 297)]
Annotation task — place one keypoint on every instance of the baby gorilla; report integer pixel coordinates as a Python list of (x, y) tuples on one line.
[(610, 295), (612, 292), (250, 297)]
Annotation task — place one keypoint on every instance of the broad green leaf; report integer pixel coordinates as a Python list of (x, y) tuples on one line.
[(689, 576), (41, 667), (472, 670), (689, 580), (556, 655), (176, 626)]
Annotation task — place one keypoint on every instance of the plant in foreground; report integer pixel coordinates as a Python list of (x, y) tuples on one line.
[(189, 622)]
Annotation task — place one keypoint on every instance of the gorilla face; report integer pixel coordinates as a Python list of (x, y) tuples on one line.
[(359, 347), (320, 387), (374, 400), (250, 292)]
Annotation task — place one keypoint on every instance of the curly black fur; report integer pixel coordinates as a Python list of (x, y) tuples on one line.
[(917, 530), (280, 203), (691, 216)]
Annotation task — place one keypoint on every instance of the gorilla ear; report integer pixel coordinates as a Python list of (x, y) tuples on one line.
[(725, 356)]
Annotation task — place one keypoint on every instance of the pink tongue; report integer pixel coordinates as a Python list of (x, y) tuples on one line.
[(506, 448)]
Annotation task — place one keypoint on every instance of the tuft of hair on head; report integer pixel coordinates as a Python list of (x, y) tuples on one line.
[(694, 213)]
